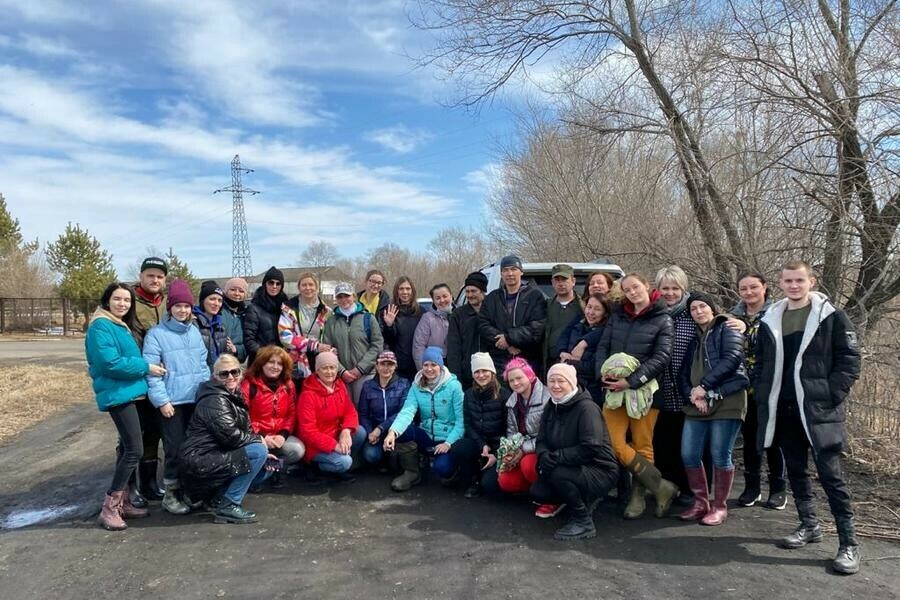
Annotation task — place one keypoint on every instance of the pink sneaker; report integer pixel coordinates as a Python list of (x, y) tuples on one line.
[(547, 511)]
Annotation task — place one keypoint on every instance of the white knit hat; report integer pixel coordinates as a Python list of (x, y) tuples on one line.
[(483, 360)]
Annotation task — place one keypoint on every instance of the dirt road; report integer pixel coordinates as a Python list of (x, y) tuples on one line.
[(362, 541), (60, 352)]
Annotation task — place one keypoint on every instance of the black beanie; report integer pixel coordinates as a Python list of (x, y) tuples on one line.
[(709, 300), (477, 279), (208, 288), (273, 274)]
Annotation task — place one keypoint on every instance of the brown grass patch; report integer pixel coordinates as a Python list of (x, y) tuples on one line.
[(31, 393)]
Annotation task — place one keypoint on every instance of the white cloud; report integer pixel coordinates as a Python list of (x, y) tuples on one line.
[(49, 11), (399, 138), (485, 179)]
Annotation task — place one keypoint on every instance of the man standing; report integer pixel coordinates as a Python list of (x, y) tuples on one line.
[(233, 314), (807, 360), (562, 309), (373, 298), (463, 339), (511, 322), (150, 306)]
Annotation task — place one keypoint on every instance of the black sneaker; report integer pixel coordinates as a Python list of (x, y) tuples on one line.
[(749, 497), (226, 512), (776, 501), (473, 491), (803, 535)]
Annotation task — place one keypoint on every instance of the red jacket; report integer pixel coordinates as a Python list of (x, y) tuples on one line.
[(321, 415), (271, 413)]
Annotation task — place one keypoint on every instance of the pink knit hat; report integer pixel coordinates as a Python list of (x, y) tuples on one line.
[(520, 363), (566, 371), (326, 359)]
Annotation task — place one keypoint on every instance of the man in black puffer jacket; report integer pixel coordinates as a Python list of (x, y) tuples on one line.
[(806, 362), (513, 317), (261, 318)]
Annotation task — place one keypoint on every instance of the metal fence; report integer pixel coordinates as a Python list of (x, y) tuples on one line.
[(43, 316)]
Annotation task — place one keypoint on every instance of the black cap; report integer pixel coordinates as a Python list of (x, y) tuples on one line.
[(477, 279), (155, 262)]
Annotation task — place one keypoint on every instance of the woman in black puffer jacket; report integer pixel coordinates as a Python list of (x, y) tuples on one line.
[(713, 383), (261, 318), (398, 322), (640, 327)]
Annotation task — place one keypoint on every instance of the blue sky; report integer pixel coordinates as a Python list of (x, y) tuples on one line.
[(124, 117)]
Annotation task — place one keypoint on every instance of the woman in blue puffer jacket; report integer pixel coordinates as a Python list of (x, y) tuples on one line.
[(380, 401), (176, 344)]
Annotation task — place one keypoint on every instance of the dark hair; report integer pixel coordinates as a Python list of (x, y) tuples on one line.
[(266, 354), (607, 306), (413, 300), (755, 275), (128, 319), (438, 286), (587, 283), (375, 272)]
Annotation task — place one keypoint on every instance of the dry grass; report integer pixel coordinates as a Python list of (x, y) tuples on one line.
[(31, 393), (873, 476)]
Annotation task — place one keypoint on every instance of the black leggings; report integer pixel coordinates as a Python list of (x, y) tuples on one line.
[(752, 455), (174, 429), (125, 417), (151, 428), (572, 486)]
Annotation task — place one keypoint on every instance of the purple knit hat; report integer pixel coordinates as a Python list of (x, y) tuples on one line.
[(179, 291)]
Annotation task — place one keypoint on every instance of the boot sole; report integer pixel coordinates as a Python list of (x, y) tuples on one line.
[(111, 528), (787, 546), (845, 571), (582, 536), (749, 504), (233, 521)]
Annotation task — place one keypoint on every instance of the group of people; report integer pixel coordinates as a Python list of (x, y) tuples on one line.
[(637, 386)]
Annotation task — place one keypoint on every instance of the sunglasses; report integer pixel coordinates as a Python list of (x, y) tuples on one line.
[(274, 283), (228, 373)]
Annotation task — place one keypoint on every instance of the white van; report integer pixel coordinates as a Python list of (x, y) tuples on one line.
[(538, 274)]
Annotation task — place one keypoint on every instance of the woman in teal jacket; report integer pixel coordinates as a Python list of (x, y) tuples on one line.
[(437, 397), (178, 345), (118, 372)]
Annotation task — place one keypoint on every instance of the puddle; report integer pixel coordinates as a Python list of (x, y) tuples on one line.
[(24, 518)]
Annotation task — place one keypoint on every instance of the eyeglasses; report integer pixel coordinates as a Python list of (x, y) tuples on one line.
[(228, 373), (274, 283), (376, 282)]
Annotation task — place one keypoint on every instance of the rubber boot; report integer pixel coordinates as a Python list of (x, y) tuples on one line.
[(664, 490), (110, 514), (172, 503), (580, 525), (636, 502), (722, 482), (696, 477), (135, 497), (130, 511), (751, 494), (847, 560), (408, 458), (149, 484)]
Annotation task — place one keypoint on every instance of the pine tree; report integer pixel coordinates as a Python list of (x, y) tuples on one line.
[(178, 269), (86, 268)]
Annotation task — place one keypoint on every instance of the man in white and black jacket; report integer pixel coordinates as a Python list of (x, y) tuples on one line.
[(807, 360)]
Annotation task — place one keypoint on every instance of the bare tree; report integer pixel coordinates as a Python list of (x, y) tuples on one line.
[(456, 252), (319, 255)]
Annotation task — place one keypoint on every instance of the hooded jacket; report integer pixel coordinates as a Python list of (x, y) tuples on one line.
[(463, 341), (523, 327), (271, 412), (355, 346), (440, 412), (212, 330), (828, 362), (647, 336), (578, 331), (378, 407), (179, 348), (431, 331), (534, 410), (114, 359), (233, 321), (399, 338), (321, 415), (261, 321), (485, 416), (212, 453), (575, 435), (147, 312)]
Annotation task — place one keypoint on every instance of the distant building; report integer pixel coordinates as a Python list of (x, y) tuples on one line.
[(328, 277)]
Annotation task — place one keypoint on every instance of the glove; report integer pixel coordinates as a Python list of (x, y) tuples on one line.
[(547, 461)]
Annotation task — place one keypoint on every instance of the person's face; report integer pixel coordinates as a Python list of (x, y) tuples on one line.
[(273, 287), (230, 375), (404, 293), (752, 291), (273, 368), (431, 370), (482, 377), (442, 298), (593, 311), (598, 285), (181, 311), (153, 280), (518, 382), (559, 386), (796, 283), (386, 368), (212, 304), (701, 313), (670, 291), (308, 289), (512, 276), (474, 296), (346, 301), (635, 290), (374, 284), (120, 303), (563, 285), (327, 373), (236, 293)]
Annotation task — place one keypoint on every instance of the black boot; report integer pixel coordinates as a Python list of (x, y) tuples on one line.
[(751, 494), (149, 483), (580, 525), (134, 492), (847, 560)]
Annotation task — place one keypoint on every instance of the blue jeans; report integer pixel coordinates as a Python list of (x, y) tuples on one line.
[(373, 453), (238, 487), (443, 465), (721, 434), (335, 462)]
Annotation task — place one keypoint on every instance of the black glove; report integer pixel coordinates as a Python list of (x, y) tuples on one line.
[(547, 461)]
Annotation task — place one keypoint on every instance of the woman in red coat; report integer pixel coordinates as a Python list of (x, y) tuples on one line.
[(272, 399), (327, 420)]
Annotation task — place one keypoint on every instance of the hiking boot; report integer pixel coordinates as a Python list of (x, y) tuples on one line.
[(718, 509), (696, 477), (227, 512), (548, 511), (130, 511), (408, 458), (803, 535), (579, 527), (847, 560), (110, 514), (147, 479), (751, 494), (171, 503)]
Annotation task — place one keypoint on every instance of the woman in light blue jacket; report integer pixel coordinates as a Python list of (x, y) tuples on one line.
[(177, 345)]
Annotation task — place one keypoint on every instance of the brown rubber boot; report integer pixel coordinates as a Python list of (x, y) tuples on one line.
[(696, 477), (110, 515)]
